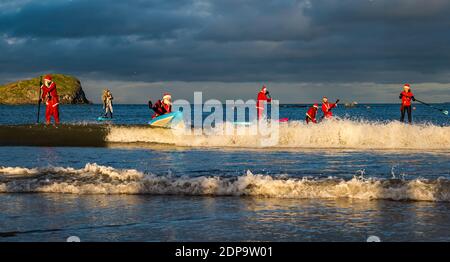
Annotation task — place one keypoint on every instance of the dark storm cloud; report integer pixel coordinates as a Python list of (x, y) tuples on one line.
[(87, 18), (381, 41), (236, 20)]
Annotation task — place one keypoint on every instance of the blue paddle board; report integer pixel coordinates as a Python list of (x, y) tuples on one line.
[(102, 118), (167, 120)]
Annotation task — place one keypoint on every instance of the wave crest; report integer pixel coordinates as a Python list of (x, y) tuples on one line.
[(97, 179), (296, 134)]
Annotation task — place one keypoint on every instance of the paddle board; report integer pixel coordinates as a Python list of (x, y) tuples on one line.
[(167, 120), (102, 118)]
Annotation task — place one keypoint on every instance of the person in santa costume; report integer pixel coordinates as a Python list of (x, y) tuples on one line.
[(162, 106), (263, 97), (51, 100), (311, 114), (327, 107), (406, 96)]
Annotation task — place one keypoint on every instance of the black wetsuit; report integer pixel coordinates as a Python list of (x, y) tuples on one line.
[(403, 110)]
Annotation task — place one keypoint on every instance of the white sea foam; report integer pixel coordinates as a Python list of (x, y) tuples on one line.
[(96, 179), (296, 134)]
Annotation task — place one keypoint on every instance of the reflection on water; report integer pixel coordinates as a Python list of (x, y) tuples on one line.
[(171, 218)]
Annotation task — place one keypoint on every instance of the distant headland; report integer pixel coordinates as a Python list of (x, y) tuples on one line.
[(27, 91)]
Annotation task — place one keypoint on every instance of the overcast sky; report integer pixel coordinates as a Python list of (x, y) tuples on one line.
[(361, 50)]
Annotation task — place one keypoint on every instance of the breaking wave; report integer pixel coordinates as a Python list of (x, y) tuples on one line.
[(295, 134), (97, 179)]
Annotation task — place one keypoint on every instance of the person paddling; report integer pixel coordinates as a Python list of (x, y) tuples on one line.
[(327, 107), (107, 103), (263, 97), (406, 96), (51, 99), (161, 107), (311, 114)]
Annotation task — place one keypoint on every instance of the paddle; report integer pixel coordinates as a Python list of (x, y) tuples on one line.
[(294, 106), (445, 112), (39, 99)]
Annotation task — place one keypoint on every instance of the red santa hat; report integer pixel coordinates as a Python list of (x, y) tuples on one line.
[(167, 96), (316, 105), (406, 86), (48, 77)]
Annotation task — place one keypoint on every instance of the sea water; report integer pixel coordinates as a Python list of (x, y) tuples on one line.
[(364, 175)]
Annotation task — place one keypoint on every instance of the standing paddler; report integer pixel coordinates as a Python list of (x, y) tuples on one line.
[(327, 107), (51, 99), (406, 96), (107, 103), (262, 99)]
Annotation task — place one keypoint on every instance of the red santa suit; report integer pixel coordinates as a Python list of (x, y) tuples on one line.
[(262, 98), (326, 109), (311, 114), (163, 106), (51, 100), (406, 98)]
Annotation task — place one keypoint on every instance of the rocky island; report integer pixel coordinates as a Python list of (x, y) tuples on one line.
[(27, 91)]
